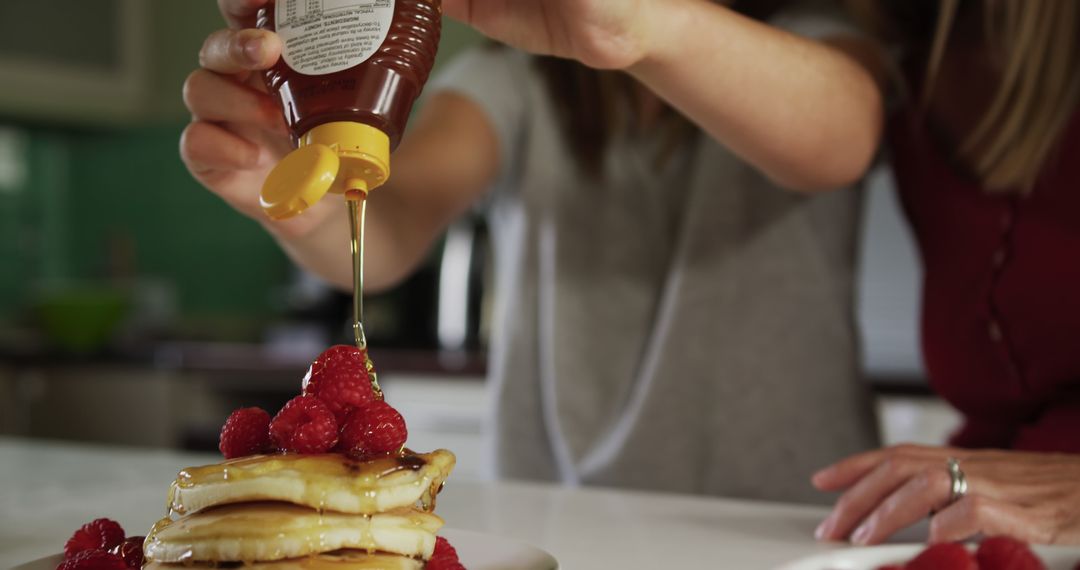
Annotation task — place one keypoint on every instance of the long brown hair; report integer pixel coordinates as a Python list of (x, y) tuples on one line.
[(593, 105), (1038, 88)]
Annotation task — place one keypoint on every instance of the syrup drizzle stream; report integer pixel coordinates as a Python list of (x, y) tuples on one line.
[(357, 202)]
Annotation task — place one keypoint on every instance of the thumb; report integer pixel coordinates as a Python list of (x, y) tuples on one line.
[(238, 51), (460, 10)]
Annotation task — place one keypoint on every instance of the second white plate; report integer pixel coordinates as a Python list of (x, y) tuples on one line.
[(873, 557)]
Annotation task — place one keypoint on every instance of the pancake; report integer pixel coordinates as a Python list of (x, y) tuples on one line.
[(330, 482), (277, 531), (339, 560)]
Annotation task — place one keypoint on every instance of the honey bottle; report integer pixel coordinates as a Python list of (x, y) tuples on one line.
[(349, 74)]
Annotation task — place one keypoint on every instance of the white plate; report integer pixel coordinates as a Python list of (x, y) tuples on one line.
[(479, 551), (476, 550), (870, 558)]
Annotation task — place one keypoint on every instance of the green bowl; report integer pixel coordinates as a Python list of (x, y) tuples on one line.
[(81, 320)]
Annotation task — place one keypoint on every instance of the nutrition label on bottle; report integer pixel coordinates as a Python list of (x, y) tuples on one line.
[(326, 36)]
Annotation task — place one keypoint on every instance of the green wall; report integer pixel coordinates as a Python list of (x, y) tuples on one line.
[(99, 196), (137, 191)]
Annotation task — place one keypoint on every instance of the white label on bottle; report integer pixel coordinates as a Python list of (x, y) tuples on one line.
[(326, 36)]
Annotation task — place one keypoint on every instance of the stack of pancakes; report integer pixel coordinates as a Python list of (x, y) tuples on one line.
[(303, 511)]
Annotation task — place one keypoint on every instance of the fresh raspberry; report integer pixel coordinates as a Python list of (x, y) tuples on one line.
[(444, 558), (944, 556), (304, 425), (339, 378), (246, 432), (99, 534), (131, 551), (373, 429), (1006, 553), (93, 560), (337, 356)]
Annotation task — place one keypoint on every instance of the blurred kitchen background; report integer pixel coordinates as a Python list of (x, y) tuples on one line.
[(136, 308)]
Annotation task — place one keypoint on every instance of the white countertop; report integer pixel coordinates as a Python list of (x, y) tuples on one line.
[(48, 489)]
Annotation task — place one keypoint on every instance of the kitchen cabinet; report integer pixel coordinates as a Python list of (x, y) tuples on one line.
[(71, 59), (119, 404)]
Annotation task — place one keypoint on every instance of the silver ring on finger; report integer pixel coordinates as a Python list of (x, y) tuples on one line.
[(958, 486)]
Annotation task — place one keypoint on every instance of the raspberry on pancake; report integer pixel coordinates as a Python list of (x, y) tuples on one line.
[(304, 425), (375, 428), (246, 432), (339, 378)]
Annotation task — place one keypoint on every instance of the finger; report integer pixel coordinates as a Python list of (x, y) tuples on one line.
[(865, 495), (238, 51), (209, 150), (240, 13), (222, 173), (976, 514), (213, 97), (925, 492), (846, 473), (460, 10)]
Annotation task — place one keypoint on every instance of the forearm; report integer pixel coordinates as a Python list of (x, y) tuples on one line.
[(323, 251), (807, 114), (394, 244), (400, 234)]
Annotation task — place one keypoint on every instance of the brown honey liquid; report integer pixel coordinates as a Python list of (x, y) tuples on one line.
[(357, 206)]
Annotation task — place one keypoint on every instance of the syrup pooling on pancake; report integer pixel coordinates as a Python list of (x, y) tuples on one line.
[(277, 531), (330, 465), (326, 482)]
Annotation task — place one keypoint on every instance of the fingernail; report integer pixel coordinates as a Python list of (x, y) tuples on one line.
[(253, 49), (819, 475), (861, 535), (823, 529)]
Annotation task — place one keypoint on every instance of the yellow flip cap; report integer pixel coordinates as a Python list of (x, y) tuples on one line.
[(332, 157)]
